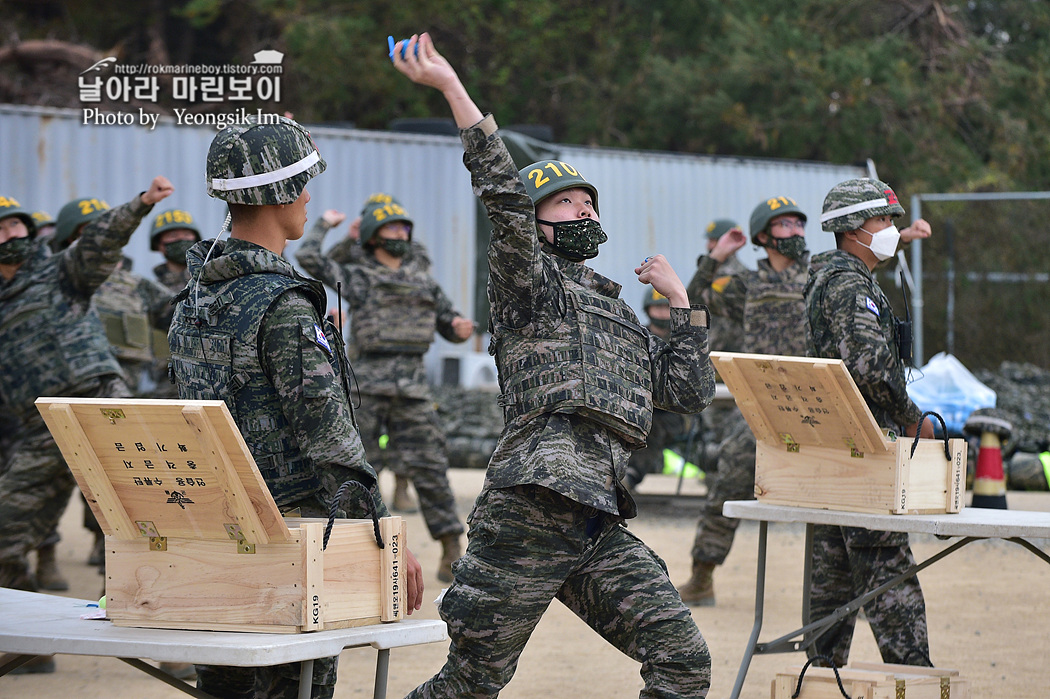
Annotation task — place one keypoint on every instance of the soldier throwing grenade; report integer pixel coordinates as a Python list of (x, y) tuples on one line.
[(549, 521)]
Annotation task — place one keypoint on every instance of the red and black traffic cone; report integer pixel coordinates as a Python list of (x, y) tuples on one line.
[(989, 481)]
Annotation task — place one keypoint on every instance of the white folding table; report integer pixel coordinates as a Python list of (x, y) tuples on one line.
[(33, 624), (971, 524)]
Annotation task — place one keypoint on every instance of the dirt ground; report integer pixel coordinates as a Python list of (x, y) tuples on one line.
[(987, 607)]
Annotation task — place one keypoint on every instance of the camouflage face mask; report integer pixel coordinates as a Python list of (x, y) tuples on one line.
[(577, 240), (176, 251), (792, 248), (15, 251), (397, 248)]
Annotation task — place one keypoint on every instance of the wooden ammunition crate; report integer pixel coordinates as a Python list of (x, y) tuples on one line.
[(872, 681), (194, 539), (818, 444)]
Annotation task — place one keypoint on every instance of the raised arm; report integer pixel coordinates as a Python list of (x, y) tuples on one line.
[(94, 256)]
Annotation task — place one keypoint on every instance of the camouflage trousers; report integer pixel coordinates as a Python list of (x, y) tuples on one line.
[(528, 545), (35, 488), (847, 562), (669, 429), (733, 480), (275, 681), (414, 439)]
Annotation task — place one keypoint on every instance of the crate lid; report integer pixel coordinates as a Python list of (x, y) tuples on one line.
[(164, 468), (800, 401)]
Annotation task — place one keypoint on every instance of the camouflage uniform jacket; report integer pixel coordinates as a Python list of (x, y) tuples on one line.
[(848, 317), (252, 333), (727, 334), (768, 303), (394, 315), (566, 452), (175, 281), (51, 338), (131, 307)]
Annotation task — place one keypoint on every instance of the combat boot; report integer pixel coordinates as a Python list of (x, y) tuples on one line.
[(402, 500), (450, 553), (16, 575), (48, 576), (699, 591)]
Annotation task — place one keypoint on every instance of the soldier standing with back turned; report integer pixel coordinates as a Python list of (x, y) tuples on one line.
[(250, 330)]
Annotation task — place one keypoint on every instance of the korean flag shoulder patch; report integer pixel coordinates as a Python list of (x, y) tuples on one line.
[(320, 338), (872, 306)]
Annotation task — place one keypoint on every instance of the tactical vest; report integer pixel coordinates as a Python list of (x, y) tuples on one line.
[(775, 310), (214, 355), (50, 341), (596, 364), (400, 316), (125, 318)]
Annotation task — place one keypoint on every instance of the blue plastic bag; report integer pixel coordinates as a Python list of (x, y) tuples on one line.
[(948, 388)]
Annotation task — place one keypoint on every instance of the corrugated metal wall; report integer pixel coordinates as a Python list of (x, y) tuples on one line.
[(660, 203), (650, 202)]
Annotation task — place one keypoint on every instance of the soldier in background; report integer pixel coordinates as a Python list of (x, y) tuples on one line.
[(45, 224), (848, 317), (668, 428), (172, 235), (135, 311), (727, 332), (250, 330), (549, 522), (50, 331), (395, 307), (350, 251), (767, 303)]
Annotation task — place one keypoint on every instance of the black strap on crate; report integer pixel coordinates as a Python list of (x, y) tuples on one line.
[(337, 501), (918, 431), (831, 664)]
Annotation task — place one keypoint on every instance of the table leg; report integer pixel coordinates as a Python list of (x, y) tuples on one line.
[(807, 582), (10, 661), (760, 597), (157, 673), (306, 679), (382, 666)]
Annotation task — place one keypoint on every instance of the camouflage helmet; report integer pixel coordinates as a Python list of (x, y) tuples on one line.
[(10, 207), (849, 204), (262, 163), (379, 210), (654, 298), (74, 215), (768, 210), (548, 177), (719, 227), (170, 220)]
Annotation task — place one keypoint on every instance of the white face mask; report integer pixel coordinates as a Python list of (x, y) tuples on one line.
[(884, 242)]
